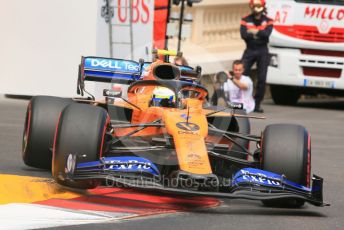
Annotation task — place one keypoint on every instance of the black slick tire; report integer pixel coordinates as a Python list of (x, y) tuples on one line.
[(80, 131), (40, 122), (286, 150)]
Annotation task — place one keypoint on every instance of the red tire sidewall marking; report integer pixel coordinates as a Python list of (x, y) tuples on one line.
[(55, 140), (308, 179), (103, 137), (28, 126), (261, 151)]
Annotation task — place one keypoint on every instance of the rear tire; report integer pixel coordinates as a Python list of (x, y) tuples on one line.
[(286, 150), (284, 95), (41, 118), (81, 132)]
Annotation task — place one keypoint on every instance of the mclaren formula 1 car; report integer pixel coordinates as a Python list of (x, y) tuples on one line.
[(160, 134)]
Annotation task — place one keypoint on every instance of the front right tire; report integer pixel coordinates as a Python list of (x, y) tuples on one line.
[(286, 150)]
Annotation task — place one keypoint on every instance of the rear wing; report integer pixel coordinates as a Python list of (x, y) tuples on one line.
[(121, 71), (110, 70), (107, 70)]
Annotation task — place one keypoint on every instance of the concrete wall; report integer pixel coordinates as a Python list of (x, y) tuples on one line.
[(215, 41), (42, 41), (41, 44)]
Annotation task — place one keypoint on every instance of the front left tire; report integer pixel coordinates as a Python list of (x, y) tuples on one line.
[(80, 132)]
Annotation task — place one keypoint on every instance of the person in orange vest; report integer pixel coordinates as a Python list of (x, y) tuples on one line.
[(255, 30)]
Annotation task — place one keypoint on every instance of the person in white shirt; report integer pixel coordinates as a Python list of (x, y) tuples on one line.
[(239, 88)]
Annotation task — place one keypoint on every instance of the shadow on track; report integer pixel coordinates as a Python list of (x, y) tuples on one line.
[(260, 210), (329, 104), (334, 104), (18, 97)]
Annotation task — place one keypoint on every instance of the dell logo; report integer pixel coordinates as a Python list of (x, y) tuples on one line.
[(105, 63)]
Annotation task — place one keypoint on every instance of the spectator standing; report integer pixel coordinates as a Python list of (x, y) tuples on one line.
[(255, 30)]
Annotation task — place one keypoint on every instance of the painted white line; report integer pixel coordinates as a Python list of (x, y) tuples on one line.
[(32, 216)]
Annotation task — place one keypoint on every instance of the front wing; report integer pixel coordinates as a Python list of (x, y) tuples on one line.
[(247, 183)]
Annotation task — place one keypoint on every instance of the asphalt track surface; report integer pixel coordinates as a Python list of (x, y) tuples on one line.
[(323, 118)]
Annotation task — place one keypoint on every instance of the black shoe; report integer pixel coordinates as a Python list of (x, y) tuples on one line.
[(258, 110)]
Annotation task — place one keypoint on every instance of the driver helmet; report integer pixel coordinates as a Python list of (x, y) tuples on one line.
[(163, 97)]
